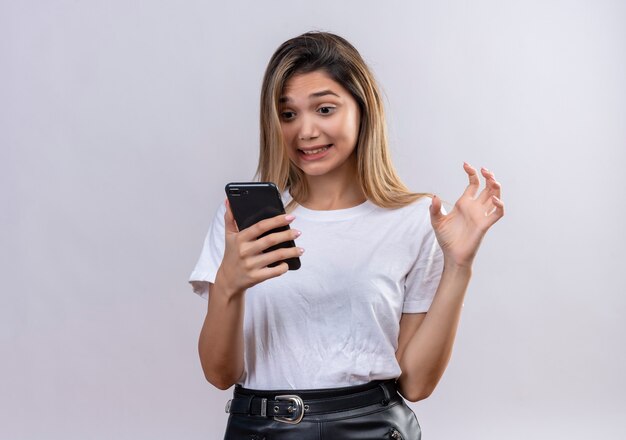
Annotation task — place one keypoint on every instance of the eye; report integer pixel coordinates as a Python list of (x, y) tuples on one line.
[(287, 115), (326, 110)]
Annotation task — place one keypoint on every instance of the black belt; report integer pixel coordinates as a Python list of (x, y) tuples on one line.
[(291, 406)]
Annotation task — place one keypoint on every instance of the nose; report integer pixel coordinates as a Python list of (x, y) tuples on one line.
[(308, 128)]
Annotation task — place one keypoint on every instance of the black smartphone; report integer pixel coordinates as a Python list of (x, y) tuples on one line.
[(252, 202)]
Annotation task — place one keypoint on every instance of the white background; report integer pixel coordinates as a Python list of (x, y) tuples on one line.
[(121, 121)]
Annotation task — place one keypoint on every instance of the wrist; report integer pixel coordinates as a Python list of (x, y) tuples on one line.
[(225, 288), (457, 268)]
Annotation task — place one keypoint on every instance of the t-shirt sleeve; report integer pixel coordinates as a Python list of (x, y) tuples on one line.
[(423, 279), (210, 257)]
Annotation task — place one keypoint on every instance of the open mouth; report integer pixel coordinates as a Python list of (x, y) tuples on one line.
[(315, 151)]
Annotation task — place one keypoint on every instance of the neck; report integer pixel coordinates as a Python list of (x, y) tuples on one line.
[(332, 191)]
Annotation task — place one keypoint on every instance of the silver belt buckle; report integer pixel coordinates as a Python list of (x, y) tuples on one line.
[(296, 409)]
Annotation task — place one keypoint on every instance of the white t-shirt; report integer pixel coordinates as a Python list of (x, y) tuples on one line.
[(335, 321)]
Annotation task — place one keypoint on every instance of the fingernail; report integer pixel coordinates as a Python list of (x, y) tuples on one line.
[(297, 233), (289, 217), (301, 251)]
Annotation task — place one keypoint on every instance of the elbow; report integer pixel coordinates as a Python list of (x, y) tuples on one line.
[(219, 381), (416, 391), (223, 385), (218, 375), (218, 372), (417, 394)]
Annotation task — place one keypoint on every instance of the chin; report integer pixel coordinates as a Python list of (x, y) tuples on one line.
[(314, 171)]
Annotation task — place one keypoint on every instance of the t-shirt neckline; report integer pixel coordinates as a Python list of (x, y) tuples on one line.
[(334, 214)]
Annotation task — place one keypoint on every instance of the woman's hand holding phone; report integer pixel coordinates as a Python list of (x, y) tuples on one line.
[(245, 264), (259, 245)]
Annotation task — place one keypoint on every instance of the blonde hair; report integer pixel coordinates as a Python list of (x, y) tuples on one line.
[(342, 62)]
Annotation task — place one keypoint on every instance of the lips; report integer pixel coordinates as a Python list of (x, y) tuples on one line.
[(315, 152)]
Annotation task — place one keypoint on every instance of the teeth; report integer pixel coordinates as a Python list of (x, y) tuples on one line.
[(318, 150)]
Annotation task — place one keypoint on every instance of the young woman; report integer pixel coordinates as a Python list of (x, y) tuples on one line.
[(322, 352)]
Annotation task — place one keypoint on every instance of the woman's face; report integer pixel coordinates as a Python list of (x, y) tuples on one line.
[(320, 124)]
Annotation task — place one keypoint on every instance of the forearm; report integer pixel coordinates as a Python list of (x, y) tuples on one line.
[(221, 339), (427, 353)]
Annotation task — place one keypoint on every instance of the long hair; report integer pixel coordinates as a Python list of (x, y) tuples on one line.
[(343, 63)]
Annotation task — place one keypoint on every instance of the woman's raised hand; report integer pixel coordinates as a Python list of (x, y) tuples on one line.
[(461, 231), (244, 263)]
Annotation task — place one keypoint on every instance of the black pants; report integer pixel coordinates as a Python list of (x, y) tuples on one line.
[(390, 419)]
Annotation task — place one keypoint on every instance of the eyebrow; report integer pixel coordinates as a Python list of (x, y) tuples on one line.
[(312, 95)]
